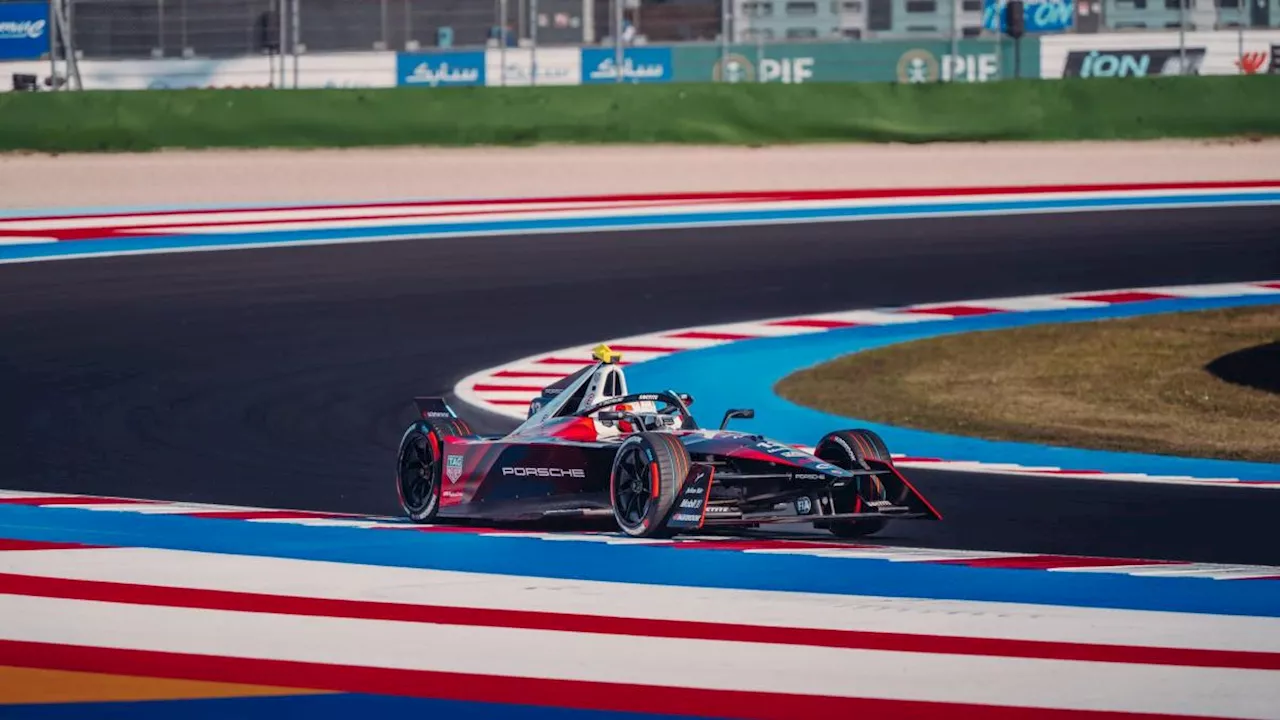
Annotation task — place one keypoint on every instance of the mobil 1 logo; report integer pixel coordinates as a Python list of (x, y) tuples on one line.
[(691, 504)]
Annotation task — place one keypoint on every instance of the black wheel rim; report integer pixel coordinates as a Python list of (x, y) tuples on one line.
[(634, 487), (417, 472)]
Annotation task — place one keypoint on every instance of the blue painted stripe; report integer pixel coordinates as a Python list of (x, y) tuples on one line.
[(343, 705), (517, 556), (617, 222), (743, 374)]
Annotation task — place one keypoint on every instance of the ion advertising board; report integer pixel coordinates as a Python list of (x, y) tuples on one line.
[(1152, 54), (24, 30)]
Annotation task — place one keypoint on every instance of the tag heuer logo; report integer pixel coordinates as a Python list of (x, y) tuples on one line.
[(453, 467)]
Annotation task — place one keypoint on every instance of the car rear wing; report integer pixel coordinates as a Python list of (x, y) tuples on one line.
[(434, 408)]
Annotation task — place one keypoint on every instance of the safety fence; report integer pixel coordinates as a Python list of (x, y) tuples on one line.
[(145, 29), (979, 60)]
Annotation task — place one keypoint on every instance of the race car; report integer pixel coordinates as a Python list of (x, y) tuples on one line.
[(590, 447)]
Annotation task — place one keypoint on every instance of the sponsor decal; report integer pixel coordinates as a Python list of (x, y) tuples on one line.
[(535, 406), (1038, 16), (804, 505), (807, 476), (921, 66), (688, 514), (1251, 62), (639, 65), (440, 69), (735, 68), (1141, 62), (453, 467), (24, 30), (832, 469), (917, 66), (544, 472), (438, 414), (840, 441), (516, 66), (774, 448)]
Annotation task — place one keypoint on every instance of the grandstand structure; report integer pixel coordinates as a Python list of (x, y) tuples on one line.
[(140, 29), (799, 20)]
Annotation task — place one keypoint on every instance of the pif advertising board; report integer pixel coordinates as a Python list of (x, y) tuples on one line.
[(24, 30)]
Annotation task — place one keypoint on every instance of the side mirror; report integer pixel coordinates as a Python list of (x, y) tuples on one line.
[(744, 413), (608, 416)]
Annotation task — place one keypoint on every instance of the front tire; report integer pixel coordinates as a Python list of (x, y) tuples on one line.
[(648, 471), (850, 449)]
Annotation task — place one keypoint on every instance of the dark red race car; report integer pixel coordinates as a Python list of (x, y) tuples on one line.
[(589, 447)]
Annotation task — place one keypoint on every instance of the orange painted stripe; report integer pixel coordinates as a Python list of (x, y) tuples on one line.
[(19, 685)]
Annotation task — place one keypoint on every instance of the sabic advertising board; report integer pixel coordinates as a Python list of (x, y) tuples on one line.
[(24, 30), (515, 66), (1155, 54), (639, 65), (441, 69)]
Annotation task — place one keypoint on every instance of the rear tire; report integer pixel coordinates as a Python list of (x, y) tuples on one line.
[(850, 449), (648, 471), (419, 466)]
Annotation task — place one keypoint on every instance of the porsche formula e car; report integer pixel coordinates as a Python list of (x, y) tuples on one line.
[(590, 447)]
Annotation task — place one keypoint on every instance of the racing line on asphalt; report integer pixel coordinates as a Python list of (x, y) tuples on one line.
[(281, 377)]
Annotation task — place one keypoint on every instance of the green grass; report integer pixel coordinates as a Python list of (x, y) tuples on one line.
[(1190, 107)]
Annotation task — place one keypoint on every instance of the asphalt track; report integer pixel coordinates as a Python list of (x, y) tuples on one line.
[(283, 377)]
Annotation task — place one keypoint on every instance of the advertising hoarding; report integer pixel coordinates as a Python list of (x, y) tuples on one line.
[(1038, 16), (324, 70), (883, 61), (639, 65), (343, 70), (24, 30), (1111, 55), (441, 69), (556, 66)]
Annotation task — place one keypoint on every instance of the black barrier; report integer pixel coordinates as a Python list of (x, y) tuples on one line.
[(24, 82)]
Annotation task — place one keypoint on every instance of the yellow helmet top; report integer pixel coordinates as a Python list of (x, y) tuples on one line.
[(603, 354)]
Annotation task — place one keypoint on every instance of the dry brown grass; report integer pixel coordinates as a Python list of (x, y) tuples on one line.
[(1134, 385)]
